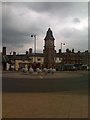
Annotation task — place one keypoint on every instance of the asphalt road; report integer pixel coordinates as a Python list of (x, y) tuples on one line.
[(44, 85)]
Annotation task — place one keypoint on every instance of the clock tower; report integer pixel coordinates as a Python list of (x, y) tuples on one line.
[(49, 50)]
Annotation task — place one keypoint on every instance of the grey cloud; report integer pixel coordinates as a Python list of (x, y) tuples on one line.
[(76, 38), (15, 32), (62, 9), (76, 20), (19, 21), (75, 33), (58, 8)]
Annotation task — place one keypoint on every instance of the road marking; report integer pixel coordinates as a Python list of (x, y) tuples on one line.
[(41, 77)]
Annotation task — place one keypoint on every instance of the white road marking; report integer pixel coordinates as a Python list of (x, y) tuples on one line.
[(41, 77)]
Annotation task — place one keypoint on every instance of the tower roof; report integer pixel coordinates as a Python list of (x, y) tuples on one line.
[(49, 34)]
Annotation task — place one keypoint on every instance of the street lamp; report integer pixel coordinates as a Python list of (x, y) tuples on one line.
[(61, 46), (34, 46)]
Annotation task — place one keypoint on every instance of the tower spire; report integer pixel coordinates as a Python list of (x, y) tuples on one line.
[(49, 34), (49, 50)]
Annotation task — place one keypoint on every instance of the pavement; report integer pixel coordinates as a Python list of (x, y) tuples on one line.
[(44, 105), (35, 75), (0, 105), (62, 95), (0, 94)]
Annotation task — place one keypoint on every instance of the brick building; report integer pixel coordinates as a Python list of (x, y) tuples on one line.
[(70, 57)]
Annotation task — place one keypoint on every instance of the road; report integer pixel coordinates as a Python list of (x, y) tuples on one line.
[(44, 85)]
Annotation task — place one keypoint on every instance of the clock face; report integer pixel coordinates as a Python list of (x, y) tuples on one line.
[(49, 43)]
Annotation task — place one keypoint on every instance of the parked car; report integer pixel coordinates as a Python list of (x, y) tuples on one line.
[(85, 67), (70, 67)]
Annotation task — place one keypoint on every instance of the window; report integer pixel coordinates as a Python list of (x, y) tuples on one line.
[(39, 59)]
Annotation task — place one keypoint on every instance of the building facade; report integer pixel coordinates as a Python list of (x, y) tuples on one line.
[(49, 58)]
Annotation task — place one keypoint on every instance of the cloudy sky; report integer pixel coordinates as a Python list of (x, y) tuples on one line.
[(67, 20)]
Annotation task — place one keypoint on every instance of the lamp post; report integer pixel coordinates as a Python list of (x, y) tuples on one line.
[(34, 47), (10, 60), (61, 46)]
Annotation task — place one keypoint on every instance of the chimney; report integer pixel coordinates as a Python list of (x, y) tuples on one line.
[(67, 50), (86, 51), (26, 52), (78, 51), (14, 53), (72, 50), (4, 51), (59, 50), (30, 50)]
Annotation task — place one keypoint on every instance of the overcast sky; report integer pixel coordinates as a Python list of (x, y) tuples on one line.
[(67, 20)]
